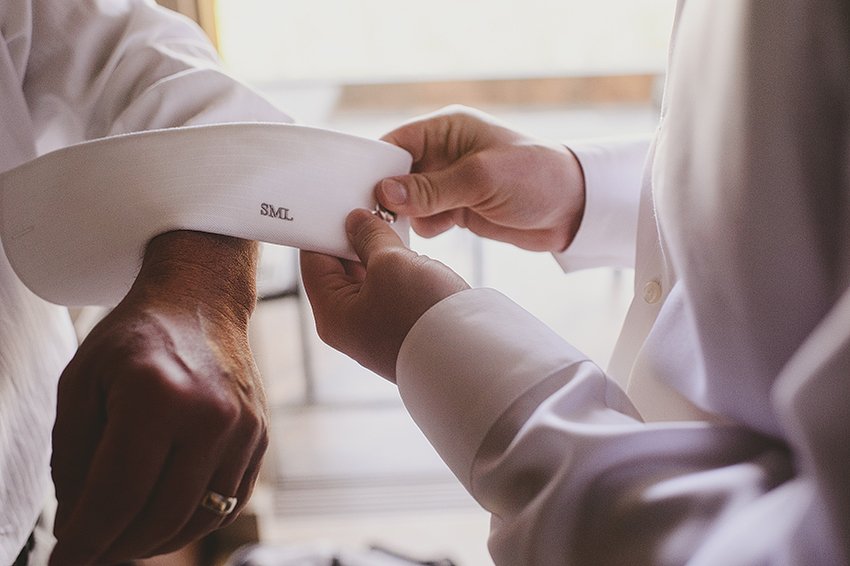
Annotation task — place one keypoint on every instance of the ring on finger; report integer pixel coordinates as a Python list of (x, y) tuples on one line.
[(218, 504)]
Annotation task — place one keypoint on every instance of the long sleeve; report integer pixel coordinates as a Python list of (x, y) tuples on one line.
[(613, 172), (730, 447), (72, 70), (555, 451), (103, 68)]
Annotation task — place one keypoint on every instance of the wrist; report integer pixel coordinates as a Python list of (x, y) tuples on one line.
[(575, 189), (204, 268)]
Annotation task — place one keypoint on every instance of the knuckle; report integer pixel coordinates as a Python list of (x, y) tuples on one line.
[(425, 195), (214, 414), (370, 226), (224, 411), (371, 235), (453, 111), (262, 442), (252, 427)]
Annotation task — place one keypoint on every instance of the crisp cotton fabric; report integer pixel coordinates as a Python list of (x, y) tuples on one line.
[(606, 236), (76, 221), (72, 70), (730, 447)]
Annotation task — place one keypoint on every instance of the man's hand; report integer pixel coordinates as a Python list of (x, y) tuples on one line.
[(472, 171), (366, 309), (162, 402)]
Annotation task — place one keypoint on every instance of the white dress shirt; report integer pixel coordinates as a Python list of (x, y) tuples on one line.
[(730, 447), (72, 70)]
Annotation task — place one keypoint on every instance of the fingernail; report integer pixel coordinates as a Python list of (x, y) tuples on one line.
[(394, 192)]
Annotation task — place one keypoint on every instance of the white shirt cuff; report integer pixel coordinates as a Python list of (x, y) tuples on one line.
[(465, 361), (613, 172)]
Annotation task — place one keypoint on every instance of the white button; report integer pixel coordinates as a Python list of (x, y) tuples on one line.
[(652, 292)]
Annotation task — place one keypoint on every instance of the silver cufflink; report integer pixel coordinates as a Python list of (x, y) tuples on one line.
[(387, 216)]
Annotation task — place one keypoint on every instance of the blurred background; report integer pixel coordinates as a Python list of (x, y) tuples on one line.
[(347, 468)]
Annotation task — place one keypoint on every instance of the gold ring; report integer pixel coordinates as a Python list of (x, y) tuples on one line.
[(218, 503)]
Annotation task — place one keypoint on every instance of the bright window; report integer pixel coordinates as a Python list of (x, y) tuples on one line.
[(374, 41)]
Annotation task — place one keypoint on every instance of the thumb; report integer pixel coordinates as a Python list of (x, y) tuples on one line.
[(460, 185), (369, 234)]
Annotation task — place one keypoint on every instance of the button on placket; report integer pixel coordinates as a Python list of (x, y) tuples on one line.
[(652, 292)]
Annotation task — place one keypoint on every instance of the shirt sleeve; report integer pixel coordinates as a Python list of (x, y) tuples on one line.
[(549, 444), (103, 68), (613, 170)]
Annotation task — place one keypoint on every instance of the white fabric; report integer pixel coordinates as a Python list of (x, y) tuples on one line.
[(731, 445), (72, 70), (75, 222), (606, 236)]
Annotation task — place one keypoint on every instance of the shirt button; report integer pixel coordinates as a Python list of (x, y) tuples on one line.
[(652, 292)]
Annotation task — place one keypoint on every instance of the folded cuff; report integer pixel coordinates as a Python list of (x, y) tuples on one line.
[(466, 361)]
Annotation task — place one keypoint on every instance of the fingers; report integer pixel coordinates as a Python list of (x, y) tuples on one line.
[(451, 164), (467, 183), (160, 449), (438, 139), (471, 170), (333, 285), (76, 434), (249, 479), (96, 521), (369, 234), (368, 317), (417, 136), (159, 491), (239, 461), (328, 285), (171, 512), (430, 226), (316, 266)]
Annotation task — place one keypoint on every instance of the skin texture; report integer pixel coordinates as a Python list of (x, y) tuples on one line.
[(473, 171), (161, 402), (366, 309), (469, 170)]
